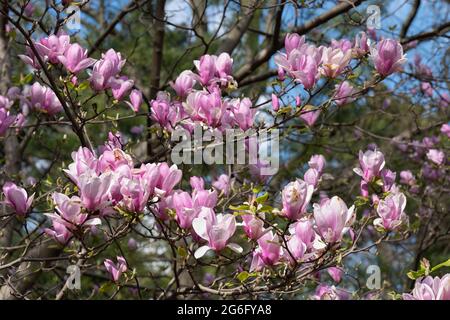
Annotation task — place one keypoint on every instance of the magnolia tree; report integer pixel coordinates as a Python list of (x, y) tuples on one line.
[(261, 149)]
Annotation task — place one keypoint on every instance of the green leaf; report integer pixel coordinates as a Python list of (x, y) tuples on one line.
[(243, 276), (256, 189), (441, 265), (27, 79), (83, 86), (265, 208), (263, 198), (415, 274), (241, 207)]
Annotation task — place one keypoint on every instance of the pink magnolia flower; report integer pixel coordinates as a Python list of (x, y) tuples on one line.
[(371, 162), (13, 93), (43, 99), (293, 41), (436, 156), (188, 207), (344, 92), (135, 100), (224, 65), (325, 292), (335, 273), (5, 121), (116, 61), (243, 113), (53, 46), (268, 252), (275, 103), (120, 87), (95, 190), (205, 107), (295, 197), (184, 208), (361, 46), (312, 177), (30, 58), (430, 288), (5, 102), (184, 83), (387, 56), (223, 183), (75, 59), (388, 178), (301, 66), (364, 188), (296, 249), (206, 68), (309, 115), (217, 231), (116, 269), (20, 121), (17, 198), (343, 44), (197, 183), (106, 69), (317, 162), (168, 178), (445, 129), (204, 198), (135, 192), (113, 157), (303, 229), (69, 212), (59, 232), (407, 177), (84, 161), (333, 219), (163, 111), (302, 239), (390, 212), (253, 227), (334, 61)]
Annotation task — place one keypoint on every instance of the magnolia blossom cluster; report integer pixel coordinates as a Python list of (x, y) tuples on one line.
[(309, 233), (199, 98), (36, 97), (430, 155), (373, 173), (194, 212), (57, 50), (105, 184), (307, 63), (105, 73)]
